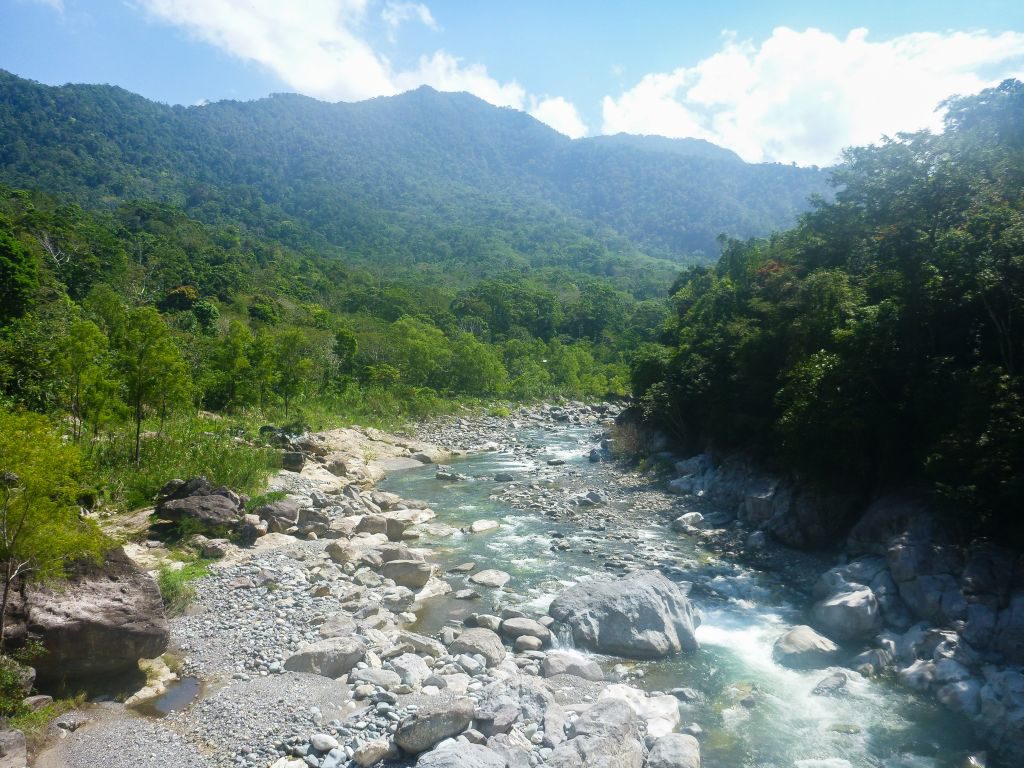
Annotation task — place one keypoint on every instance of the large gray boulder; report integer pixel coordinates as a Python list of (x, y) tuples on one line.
[(99, 622), (675, 750), (482, 641), (331, 657), (642, 615), (852, 614), (13, 749), (803, 648), (605, 736), (434, 722), (452, 754), (202, 513)]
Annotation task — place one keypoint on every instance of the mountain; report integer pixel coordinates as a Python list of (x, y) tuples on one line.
[(420, 178)]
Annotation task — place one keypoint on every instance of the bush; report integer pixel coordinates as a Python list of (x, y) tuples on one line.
[(176, 588)]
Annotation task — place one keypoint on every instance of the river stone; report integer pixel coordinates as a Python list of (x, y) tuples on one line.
[(482, 641), (527, 643), (412, 669), (422, 644), (280, 515), (453, 754), (848, 615), (407, 573), (323, 742), (490, 578), (675, 750), (803, 648), (338, 624), (604, 736), (569, 663), (98, 622), (660, 713), (487, 621), (372, 752), (520, 627), (434, 722), (382, 678), (332, 657), (642, 615)]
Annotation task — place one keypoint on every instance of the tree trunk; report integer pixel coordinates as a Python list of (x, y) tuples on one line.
[(3, 606), (138, 431)]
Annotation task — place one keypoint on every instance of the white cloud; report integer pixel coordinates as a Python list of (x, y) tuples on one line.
[(447, 73), (320, 48), (560, 115), (803, 96), (396, 14)]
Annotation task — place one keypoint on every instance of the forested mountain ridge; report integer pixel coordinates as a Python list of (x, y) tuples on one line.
[(396, 179)]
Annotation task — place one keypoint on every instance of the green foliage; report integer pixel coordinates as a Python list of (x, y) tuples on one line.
[(18, 277), (881, 340), (40, 528)]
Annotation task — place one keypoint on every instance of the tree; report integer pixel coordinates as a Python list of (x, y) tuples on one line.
[(476, 368), (147, 355), (40, 528), (292, 364), (83, 355)]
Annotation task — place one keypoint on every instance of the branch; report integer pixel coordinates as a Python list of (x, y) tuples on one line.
[(53, 250)]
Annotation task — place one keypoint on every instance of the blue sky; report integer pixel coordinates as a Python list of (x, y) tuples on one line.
[(781, 81)]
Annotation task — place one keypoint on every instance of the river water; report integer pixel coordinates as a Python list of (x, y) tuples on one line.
[(872, 724)]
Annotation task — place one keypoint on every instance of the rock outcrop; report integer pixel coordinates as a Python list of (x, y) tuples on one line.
[(99, 622)]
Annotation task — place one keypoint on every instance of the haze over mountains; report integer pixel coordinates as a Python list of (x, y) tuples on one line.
[(419, 177)]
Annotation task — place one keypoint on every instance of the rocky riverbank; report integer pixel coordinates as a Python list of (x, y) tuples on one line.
[(902, 598), (302, 646)]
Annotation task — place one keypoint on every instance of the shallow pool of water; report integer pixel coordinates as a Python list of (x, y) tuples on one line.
[(179, 694), (755, 713)]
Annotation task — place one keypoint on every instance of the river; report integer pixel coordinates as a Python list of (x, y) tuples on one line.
[(753, 712)]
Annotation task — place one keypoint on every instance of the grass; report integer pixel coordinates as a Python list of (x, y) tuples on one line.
[(176, 585), (188, 447), (36, 724)]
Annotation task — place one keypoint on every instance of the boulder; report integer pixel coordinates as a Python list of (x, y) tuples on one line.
[(452, 754), (293, 461), (482, 641), (570, 663), (849, 615), (412, 669), (382, 678), (659, 713), (803, 648), (642, 615), (407, 573), (280, 515), (338, 624), (372, 752), (330, 657), (674, 750), (434, 722), (605, 736), (13, 750), (99, 622), (481, 526)]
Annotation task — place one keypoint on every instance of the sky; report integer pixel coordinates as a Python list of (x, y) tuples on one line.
[(785, 81)]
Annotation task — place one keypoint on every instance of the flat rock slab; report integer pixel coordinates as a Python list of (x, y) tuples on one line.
[(491, 578)]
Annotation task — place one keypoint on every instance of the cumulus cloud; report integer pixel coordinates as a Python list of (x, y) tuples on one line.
[(320, 47), (561, 115), (803, 96)]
